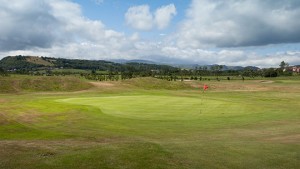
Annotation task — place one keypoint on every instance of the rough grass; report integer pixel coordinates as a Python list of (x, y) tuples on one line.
[(36, 84), (153, 83), (229, 126), (38, 60)]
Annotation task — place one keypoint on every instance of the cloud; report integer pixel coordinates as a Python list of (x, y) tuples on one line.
[(22, 28), (58, 28), (141, 18), (235, 23), (229, 57), (31, 24), (163, 15)]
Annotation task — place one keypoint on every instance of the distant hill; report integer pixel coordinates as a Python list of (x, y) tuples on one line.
[(122, 61), (20, 62), (194, 66), (34, 63), (29, 63), (240, 68)]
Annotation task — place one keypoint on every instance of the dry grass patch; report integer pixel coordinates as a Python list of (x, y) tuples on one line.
[(28, 117), (246, 86), (230, 86), (292, 139), (3, 101), (56, 144), (38, 60), (3, 120), (277, 131)]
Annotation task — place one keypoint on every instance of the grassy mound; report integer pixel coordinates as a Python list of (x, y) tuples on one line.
[(153, 83), (29, 83)]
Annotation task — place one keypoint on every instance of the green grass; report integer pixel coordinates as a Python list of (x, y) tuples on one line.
[(232, 125), (151, 107)]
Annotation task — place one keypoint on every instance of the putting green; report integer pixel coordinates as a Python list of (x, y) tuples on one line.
[(149, 107)]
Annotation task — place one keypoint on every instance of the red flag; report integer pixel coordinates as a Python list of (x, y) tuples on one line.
[(205, 87)]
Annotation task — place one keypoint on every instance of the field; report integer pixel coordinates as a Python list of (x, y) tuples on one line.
[(150, 123)]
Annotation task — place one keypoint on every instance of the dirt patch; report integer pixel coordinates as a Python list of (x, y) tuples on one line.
[(3, 101)]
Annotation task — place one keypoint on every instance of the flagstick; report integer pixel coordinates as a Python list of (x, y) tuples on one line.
[(201, 105), (201, 102)]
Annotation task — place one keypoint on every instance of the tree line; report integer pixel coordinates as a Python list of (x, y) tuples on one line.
[(116, 71)]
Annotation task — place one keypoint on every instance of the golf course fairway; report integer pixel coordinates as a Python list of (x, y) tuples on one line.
[(232, 125)]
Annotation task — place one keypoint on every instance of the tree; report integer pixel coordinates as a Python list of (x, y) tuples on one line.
[(217, 69), (3, 72), (283, 65), (270, 72), (283, 69), (248, 72)]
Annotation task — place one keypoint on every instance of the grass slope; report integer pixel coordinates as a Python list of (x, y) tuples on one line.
[(37, 84), (38, 60), (156, 84), (233, 125)]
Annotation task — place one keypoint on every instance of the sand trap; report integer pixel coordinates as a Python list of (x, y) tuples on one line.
[(268, 81), (102, 84)]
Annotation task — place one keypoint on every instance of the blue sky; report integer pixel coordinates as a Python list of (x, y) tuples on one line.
[(230, 32), (111, 12)]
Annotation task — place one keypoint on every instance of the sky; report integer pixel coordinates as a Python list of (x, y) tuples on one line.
[(228, 32)]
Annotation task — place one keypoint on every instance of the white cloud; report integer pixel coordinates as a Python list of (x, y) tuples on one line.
[(141, 18), (163, 15), (47, 23), (135, 37), (57, 28), (235, 23)]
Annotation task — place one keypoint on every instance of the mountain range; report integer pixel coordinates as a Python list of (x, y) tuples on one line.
[(19, 62)]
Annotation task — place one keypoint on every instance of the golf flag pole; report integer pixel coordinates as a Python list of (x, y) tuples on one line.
[(205, 87)]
